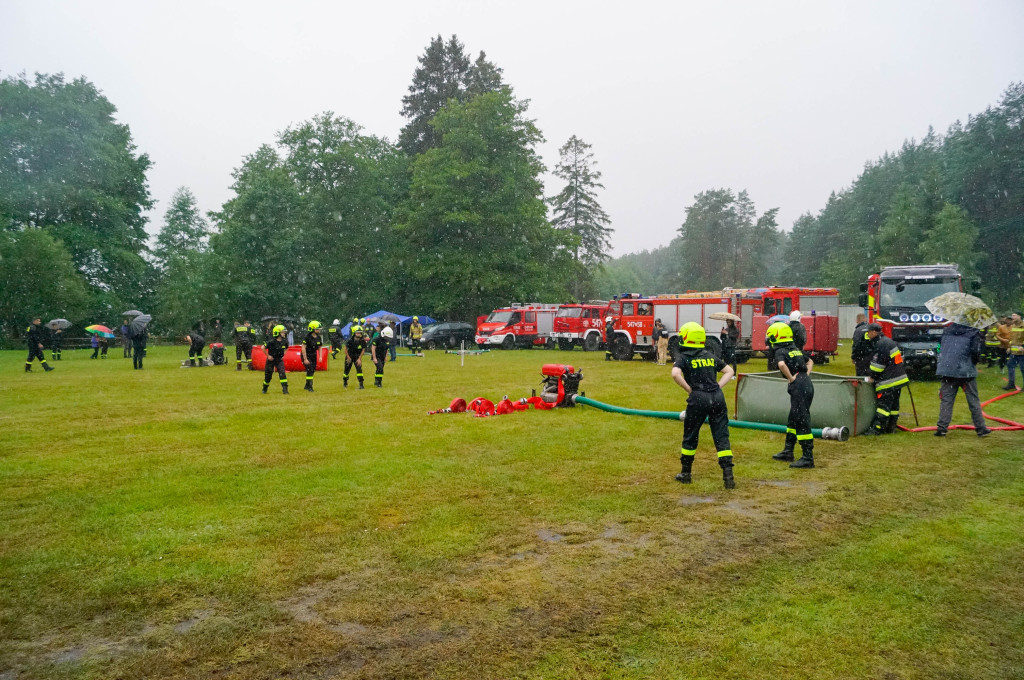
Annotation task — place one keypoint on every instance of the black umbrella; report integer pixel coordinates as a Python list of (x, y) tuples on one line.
[(59, 323), (131, 312), (139, 323)]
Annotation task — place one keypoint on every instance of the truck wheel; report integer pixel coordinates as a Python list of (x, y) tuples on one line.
[(508, 343), (565, 345), (592, 342), (714, 345), (622, 348)]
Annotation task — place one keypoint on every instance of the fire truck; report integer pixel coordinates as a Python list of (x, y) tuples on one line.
[(581, 325), (895, 297), (518, 325), (635, 316)]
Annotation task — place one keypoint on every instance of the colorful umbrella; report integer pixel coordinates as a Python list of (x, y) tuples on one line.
[(962, 308), (58, 323), (99, 329)]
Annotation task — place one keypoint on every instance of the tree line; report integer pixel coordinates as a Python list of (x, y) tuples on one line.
[(325, 219), (954, 198)]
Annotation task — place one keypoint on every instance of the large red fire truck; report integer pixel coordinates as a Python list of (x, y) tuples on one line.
[(581, 325), (895, 297), (518, 325), (635, 316)]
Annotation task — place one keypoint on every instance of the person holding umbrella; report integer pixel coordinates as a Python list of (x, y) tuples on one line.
[(275, 349), (957, 369), (138, 335), (57, 327), (34, 340)]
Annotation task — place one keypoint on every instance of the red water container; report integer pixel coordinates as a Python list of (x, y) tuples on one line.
[(292, 358)]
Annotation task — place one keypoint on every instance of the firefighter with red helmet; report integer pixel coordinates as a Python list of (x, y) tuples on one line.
[(275, 348), (796, 369), (695, 370), (889, 376), (354, 350)]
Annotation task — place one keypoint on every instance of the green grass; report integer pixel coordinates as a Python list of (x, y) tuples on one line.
[(176, 523)]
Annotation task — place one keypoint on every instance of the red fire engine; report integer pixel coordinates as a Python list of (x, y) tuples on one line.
[(581, 325), (635, 316), (518, 325)]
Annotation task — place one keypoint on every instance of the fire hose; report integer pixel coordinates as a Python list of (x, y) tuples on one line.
[(1010, 424), (834, 433)]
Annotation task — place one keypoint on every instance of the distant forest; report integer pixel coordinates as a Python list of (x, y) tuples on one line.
[(451, 220), (953, 198)]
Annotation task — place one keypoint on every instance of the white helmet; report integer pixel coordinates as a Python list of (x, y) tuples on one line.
[(795, 315), (337, 322), (387, 332), (607, 319)]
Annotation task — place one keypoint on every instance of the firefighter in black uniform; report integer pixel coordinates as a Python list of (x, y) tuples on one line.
[(863, 348), (354, 349), (311, 346), (799, 330), (275, 348), (695, 370), (609, 336), (195, 347), (889, 375), (379, 353), (34, 340), (795, 368), (56, 340), (334, 333), (244, 335)]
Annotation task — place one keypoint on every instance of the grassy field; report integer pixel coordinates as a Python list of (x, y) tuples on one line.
[(176, 523)]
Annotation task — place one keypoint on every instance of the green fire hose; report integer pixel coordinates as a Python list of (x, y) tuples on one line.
[(835, 433)]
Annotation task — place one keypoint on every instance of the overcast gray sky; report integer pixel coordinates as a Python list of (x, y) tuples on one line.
[(785, 99)]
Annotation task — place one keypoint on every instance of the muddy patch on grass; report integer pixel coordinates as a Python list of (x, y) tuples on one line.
[(188, 624), (696, 500)]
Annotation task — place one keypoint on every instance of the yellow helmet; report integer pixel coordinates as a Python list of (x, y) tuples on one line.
[(278, 329), (778, 333), (415, 318), (357, 329), (692, 334), (313, 325)]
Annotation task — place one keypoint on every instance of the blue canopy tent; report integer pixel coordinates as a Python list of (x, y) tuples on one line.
[(403, 322)]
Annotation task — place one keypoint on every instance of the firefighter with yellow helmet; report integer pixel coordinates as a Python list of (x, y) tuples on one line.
[(354, 350), (275, 348), (796, 369), (415, 333), (311, 345), (695, 370)]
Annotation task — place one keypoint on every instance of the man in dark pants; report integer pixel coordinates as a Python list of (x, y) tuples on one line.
[(195, 348), (796, 369), (956, 367), (275, 348), (889, 376), (126, 341), (56, 340), (244, 335), (138, 346), (354, 349), (34, 340), (392, 340), (311, 346), (609, 337), (695, 370), (379, 353), (863, 348), (415, 333), (334, 335)]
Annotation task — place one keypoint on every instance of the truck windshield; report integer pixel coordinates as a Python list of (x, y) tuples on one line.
[(501, 317), (569, 313), (914, 292)]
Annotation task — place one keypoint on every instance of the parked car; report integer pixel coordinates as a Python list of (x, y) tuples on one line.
[(448, 335)]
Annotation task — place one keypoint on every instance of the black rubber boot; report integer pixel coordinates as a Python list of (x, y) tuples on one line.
[(344, 382), (684, 477), (807, 459), (309, 386), (28, 368), (361, 386), (377, 383), (284, 389), (725, 462), (47, 368), (238, 367), (191, 362), (264, 389), (787, 451)]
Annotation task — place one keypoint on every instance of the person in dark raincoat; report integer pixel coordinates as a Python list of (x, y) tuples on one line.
[(34, 340)]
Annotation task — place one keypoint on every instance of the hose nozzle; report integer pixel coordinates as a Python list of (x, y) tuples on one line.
[(839, 434)]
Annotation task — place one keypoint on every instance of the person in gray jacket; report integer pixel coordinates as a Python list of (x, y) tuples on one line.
[(960, 352)]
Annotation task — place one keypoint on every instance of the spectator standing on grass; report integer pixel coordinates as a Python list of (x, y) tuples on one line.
[(730, 337), (95, 346), (34, 340), (354, 350), (415, 333), (695, 370), (56, 340), (126, 341), (658, 333), (1015, 353), (139, 338), (392, 340), (104, 346), (957, 369)]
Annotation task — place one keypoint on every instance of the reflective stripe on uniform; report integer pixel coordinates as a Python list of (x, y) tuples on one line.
[(727, 452), (790, 430), (689, 452), (882, 412), (892, 382), (804, 437), (878, 368)]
